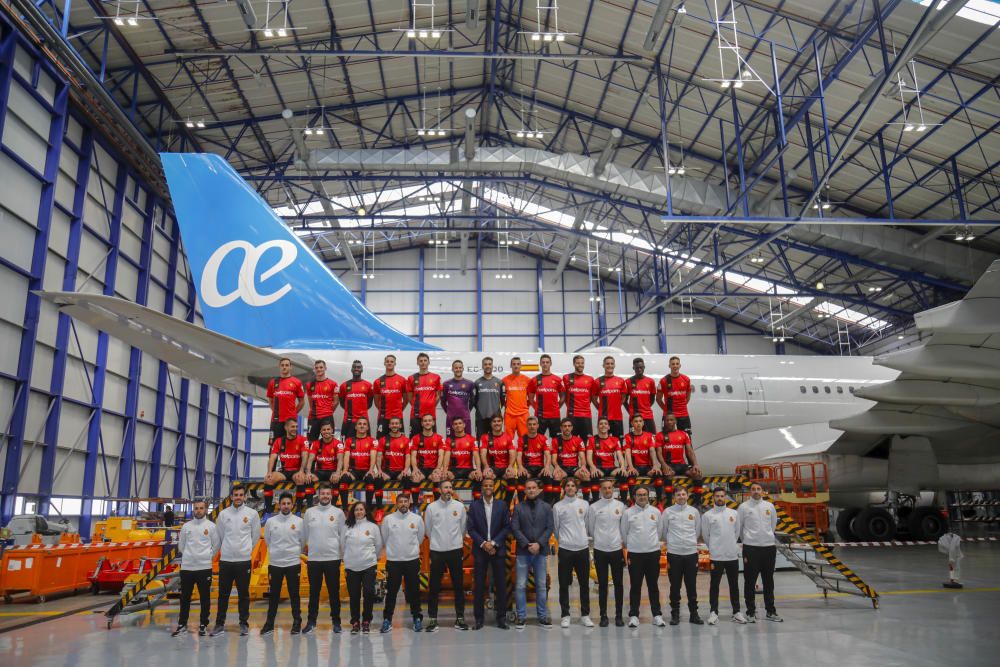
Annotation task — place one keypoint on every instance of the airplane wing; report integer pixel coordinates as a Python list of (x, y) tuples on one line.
[(195, 351), (948, 389)]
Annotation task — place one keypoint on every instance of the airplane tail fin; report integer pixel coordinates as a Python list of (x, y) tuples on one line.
[(256, 281)]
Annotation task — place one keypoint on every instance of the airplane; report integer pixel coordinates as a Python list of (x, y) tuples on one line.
[(924, 419)]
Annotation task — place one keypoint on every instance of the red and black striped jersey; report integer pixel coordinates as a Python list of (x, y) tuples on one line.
[(533, 450), (390, 389), (579, 389), (546, 389), (604, 451), (642, 447), (611, 393), (355, 397), (641, 396), (427, 448)]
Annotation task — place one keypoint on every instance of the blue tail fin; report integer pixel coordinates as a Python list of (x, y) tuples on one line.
[(256, 281)]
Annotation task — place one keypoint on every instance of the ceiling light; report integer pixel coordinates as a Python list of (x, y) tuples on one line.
[(774, 340), (908, 128), (560, 37), (434, 275), (133, 22), (420, 133), (520, 135), (535, 37), (820, 285), (900, 336), (268, 32), (671, 171), (497, 276), (361, 210), (921, 128), (308, 131), (319, 130), (441, 133), (826, 206), (680, 171), (411, 33), (723, 84), (618, 269), (200, 125), (119, 21), (436, 34), (737, 84), (191, 124), (282, 32), (548, 37), (447, 275), (423, 34)]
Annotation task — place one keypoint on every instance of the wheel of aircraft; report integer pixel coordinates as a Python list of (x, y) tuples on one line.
[(875, 524), (845, 524)]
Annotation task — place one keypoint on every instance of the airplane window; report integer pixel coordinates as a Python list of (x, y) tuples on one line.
[(715, 388), (840, 390), (729, 388), (803, 389), (704, 388), (850, 389), (826, 389), (815, 389)]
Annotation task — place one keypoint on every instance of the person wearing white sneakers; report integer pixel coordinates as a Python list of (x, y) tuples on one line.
[(570, 519), (758, 521), (720, 530), (198, 543), (679, 528), (283, 534), (444, 523), (604, 527), (640, 526), (323, 528)]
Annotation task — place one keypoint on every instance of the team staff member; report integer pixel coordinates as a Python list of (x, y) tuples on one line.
[(758, 521), (720, 529), (641, 457), (322, 396), (326, 459), (428, 456), (545, 394), (609, 394), (579, 390), (323, 529), (604, 525), (674, 394), (569, 518), (489, 527), (456, 396), (516, 403), (488, 398), (461, 458), (680, 525), (396, 457), (534, 459), (677, 454), (422, 390), (532, 526), (642, 396), (402, 534), (390, 396), (606, 459), (356, 395), (292, 451), (361, 463), (498, 457), (283, 534), (239, 530), (641, 536), (569, 459), (198, 543), (286, 397), (362, 545), (445, 520)]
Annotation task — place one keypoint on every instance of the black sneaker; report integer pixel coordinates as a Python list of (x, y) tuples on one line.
[(181, 630), (502, 625), (218, 630), (773, 616), (619, 622), (675, 619), (267, 629), (545, 622), (432, 626), (337, 628), (309, 629), (604, 622), (366, 627), (519, 623), (244, 629), (461, 625), (296, 627), (355, 628), (696, 619), (202, 630)]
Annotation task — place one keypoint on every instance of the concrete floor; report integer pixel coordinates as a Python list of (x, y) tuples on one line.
[(918, 623)]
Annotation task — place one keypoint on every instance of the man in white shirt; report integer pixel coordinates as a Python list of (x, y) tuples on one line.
[(283, 534), (402, 534), (239, 530), (604, 526), (720, 529), (569, 516), (444, 520), (198, 543), (640, 528), (758, 521), (323, 529), (680, 525)]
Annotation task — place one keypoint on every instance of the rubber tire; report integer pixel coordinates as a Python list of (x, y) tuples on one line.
[(845, 521), (875, 524), (921, 519)]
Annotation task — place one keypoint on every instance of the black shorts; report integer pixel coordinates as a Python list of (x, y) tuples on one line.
[(617, 428), (649, 426), (448, 420), (381, 427), (416, 428), (287, 473), (323, 475), (606, 473), (570, 471), (461, 473), (549, 426), (680, 469), (684, 424), (482, 425), (396, 474), (426, 471), (277, 431), (498, 473), (645, 471), (316, 424), (533, 472), (347, 430), (583, 427)]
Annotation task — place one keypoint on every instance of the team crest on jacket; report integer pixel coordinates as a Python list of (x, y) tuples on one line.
[(454, 512), (332, 518), (617, 512), (206, 531), (367, 533), (246, 520), (767, 512), (652, 518), (579, 511), (293, 526), (413, 526), (732, 520), (690, 517)]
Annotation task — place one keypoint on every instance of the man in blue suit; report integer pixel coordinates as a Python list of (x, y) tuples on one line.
[(489, 528)]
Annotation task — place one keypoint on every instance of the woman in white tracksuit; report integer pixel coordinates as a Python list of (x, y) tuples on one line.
[(362, 545)]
